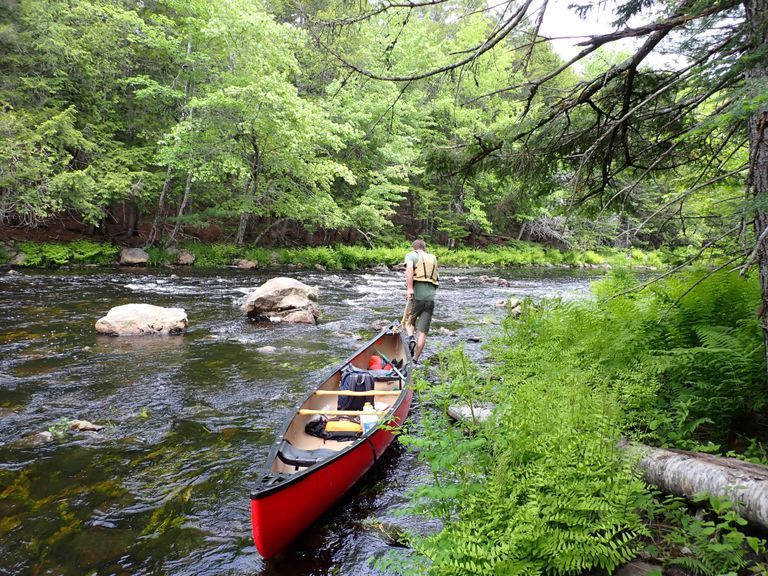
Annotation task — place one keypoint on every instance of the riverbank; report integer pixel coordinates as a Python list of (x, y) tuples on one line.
[(541, 487), (340, 257)]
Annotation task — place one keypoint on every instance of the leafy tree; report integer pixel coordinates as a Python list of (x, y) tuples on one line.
[(696, 128)]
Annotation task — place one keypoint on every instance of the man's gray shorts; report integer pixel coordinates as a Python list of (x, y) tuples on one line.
[(419, 313)]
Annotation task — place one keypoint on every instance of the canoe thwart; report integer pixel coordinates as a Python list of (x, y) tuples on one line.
[(310, 412), (358, 393)]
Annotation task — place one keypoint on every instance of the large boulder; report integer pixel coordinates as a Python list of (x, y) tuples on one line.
[(141, 319), (133, 257), (283, 300)]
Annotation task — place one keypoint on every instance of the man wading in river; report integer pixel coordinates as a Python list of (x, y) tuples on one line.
[(421, 282)]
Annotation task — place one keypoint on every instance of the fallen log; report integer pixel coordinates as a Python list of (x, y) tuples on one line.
[(687, 474)]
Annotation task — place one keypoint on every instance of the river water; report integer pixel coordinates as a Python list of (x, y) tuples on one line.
[(164, 488)]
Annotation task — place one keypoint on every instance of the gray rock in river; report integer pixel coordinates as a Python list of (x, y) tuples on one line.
[(133, 257), (185, 258), (143, 319), (18, 259), (32, 440), (283, 300), (246, 264)]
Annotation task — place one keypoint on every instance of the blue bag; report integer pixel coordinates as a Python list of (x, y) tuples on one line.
[(355, 380)]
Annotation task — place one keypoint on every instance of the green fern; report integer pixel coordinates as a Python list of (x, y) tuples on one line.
[(541, 488)]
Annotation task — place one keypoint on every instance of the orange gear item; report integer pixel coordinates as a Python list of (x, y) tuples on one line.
[(375, 363)]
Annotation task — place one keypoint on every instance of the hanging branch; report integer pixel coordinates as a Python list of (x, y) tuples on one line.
[(510, 25), (677, 268)]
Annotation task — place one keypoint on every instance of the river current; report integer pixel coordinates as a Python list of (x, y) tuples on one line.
[(164, 487)]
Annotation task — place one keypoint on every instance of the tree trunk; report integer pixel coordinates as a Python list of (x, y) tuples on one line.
[(254, 178), (243, 226), (155, 233), (686, 474), (757, 22), (522, 231), (182, 207)]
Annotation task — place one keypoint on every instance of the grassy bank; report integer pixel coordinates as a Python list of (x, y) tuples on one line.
[(81, 252), (541, 488)]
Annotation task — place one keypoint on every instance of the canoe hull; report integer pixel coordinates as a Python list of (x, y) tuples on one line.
[(283, 511)]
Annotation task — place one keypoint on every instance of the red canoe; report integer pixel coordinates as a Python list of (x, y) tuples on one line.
[(304, 475)]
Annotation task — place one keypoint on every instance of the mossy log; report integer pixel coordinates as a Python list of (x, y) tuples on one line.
[(687, 474)]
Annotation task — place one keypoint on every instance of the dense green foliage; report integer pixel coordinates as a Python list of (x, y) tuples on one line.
[(356, 257), (342, 256), (77, 252), (542, 488), (231, 120)]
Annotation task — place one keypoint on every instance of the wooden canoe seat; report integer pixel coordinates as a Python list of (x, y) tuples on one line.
[(300, 458)]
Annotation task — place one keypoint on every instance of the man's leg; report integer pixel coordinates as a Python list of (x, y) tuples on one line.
[(408, 319), (423, 312), (421, 339)]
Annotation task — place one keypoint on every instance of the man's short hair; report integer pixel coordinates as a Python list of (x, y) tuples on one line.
[(419, 244)]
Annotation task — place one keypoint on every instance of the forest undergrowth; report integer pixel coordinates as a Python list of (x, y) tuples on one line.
[(341, 257), (541, 487)]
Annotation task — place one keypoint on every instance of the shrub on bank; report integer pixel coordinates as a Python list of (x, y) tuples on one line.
[(538, 489), (51, 254)]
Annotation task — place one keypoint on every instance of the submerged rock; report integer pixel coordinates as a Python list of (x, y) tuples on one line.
[(379, 325), (398, 531), (266, 349), (84, 426), (32, 440), (133, 257), (283, 300), (494, 280), (143, 319)]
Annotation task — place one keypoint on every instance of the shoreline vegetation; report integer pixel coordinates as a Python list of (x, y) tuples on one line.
[(25, 254), (541, 487)]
